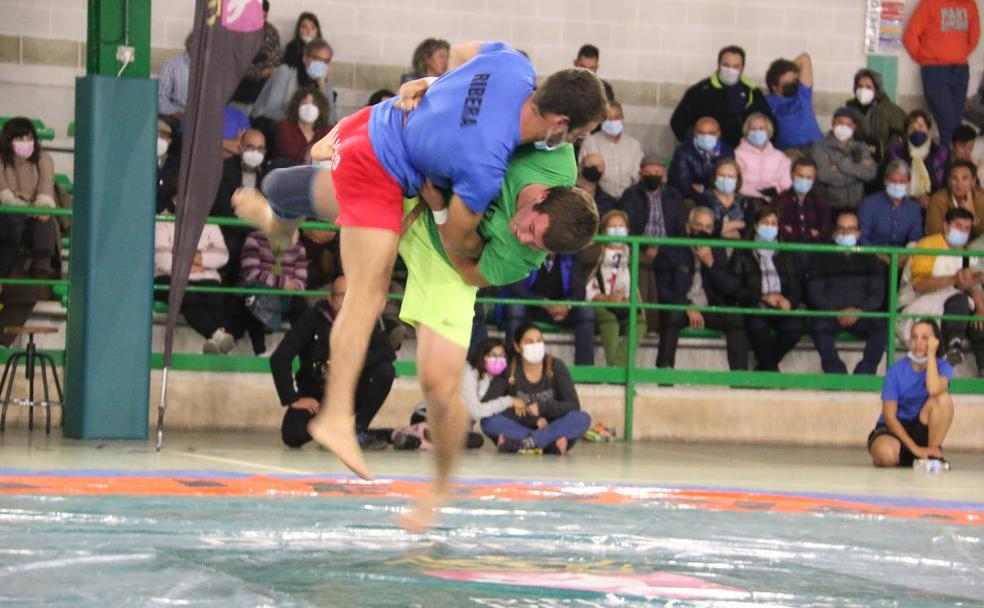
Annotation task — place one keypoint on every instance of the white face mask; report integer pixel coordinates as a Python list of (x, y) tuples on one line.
[(308, 112), (612, 127), (617, 231), (306, 39), (252, 158), (864, 95), (916, 359), (843, 133), (729, 76), (534, 353), (162, 146)]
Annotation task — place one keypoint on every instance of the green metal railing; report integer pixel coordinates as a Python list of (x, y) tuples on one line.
[(631, 375)]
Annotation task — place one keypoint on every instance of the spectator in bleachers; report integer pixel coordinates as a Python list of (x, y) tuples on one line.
[(168, 161), (974, 112), (699, 276), (764, 170), (773, 280), (244, 170), (733, 212), (849, 283), (941, 285), (654, 208), (262, 266), (592, 172), (916, 406), (430, 60), (308, 341), (588, 57), (622, 153), (272, 104), (27, 178), (726, 96), (693, 161), (940, 36), (926, 158), (891, 217), (883, 121), (961, 192), (550, 418), (844, 164), (379, 96), (790, 97), (609, 282), (487, 362), (265, 63), (560, 278), (306, 30), (804, 214), (213, 315), (172, 84), (234, 124), (306, 124), (962, 148), (323, 254)]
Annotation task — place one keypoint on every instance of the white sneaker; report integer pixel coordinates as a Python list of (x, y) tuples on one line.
[(223, 340), (210, 347)]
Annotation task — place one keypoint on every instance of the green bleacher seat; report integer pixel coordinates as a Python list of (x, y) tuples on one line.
[(71, 129), (706, 333), (549, 328), (44, 133), (65, 183), (160, 307), (61, 293)]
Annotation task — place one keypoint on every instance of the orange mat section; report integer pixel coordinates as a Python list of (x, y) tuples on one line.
[(601, 494)]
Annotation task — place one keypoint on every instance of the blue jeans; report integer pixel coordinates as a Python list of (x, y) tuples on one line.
[(290, 191), (572, 425), (580, 318), (945, 88)]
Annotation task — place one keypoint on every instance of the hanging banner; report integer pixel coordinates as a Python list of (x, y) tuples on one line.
[(884, 25)]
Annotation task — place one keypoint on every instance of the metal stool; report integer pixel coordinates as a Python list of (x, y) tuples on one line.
[(30, 357)]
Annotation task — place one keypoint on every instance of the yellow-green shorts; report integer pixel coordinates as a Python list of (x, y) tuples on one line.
[(436, 295)]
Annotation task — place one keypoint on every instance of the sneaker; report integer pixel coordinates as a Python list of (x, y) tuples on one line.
[(372, 442), (210, 347), (223, 340), (954, 353), (406, 442), (515, 446)]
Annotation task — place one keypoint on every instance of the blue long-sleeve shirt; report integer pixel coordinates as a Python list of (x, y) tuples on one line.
[(882, 223)]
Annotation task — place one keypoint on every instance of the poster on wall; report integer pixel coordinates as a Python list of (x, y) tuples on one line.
[(884, 26)]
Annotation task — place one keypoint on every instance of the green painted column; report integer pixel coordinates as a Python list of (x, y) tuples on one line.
[(116, 23)]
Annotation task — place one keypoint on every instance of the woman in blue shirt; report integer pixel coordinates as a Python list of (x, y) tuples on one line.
[(916, 405)]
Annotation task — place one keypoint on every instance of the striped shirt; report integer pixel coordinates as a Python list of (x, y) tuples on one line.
[(261, 265)]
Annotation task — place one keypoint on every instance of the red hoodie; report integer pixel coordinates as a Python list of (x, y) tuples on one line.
[(943, 32)]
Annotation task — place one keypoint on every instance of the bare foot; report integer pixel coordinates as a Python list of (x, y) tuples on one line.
[(423, 515), (250, 205), (338, 435), (561, 445)]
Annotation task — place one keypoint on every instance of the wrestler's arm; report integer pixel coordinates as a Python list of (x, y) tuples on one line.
[(462, 52), (468, 270), (459, 234)]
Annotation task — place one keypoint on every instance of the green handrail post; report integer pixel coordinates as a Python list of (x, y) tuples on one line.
[(893, 306), (632, 337)]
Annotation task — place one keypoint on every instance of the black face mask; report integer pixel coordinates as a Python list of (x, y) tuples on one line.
[(591, 173), (652, 182), (790, 89), (699, 234)]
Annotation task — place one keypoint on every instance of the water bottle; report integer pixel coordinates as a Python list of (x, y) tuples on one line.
[(930, 465)]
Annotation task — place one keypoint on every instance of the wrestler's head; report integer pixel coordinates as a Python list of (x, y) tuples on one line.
[(561, 219), (567, 106)]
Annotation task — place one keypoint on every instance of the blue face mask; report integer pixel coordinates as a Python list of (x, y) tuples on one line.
[(758, 138), (846, 240), (726, 185), (707, 143), (545, 145), (918, 138), (897, 191), (767, 233), (317, 69), (801, 185), (957, 238)]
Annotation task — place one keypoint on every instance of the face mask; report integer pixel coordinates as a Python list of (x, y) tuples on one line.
[(918, 138), (707, 143), (864, 95), (957, 238), (545, 145), (617, 231), (495, 365), (728, 76), (916, 359), (896, 191), (726, 185), (612, 127), (801, 185), (652, 182), (592, 174), (790, 89), (252, 158), (162, 146), (317, 69), (308, 112), (767, 233), (843, 133), (846, 240), (306, 39), (23, 149), (535, 352), (758, 138)]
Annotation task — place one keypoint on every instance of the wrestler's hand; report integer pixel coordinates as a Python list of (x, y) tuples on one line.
[(325, 148), (411, 93), (432, 195)]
